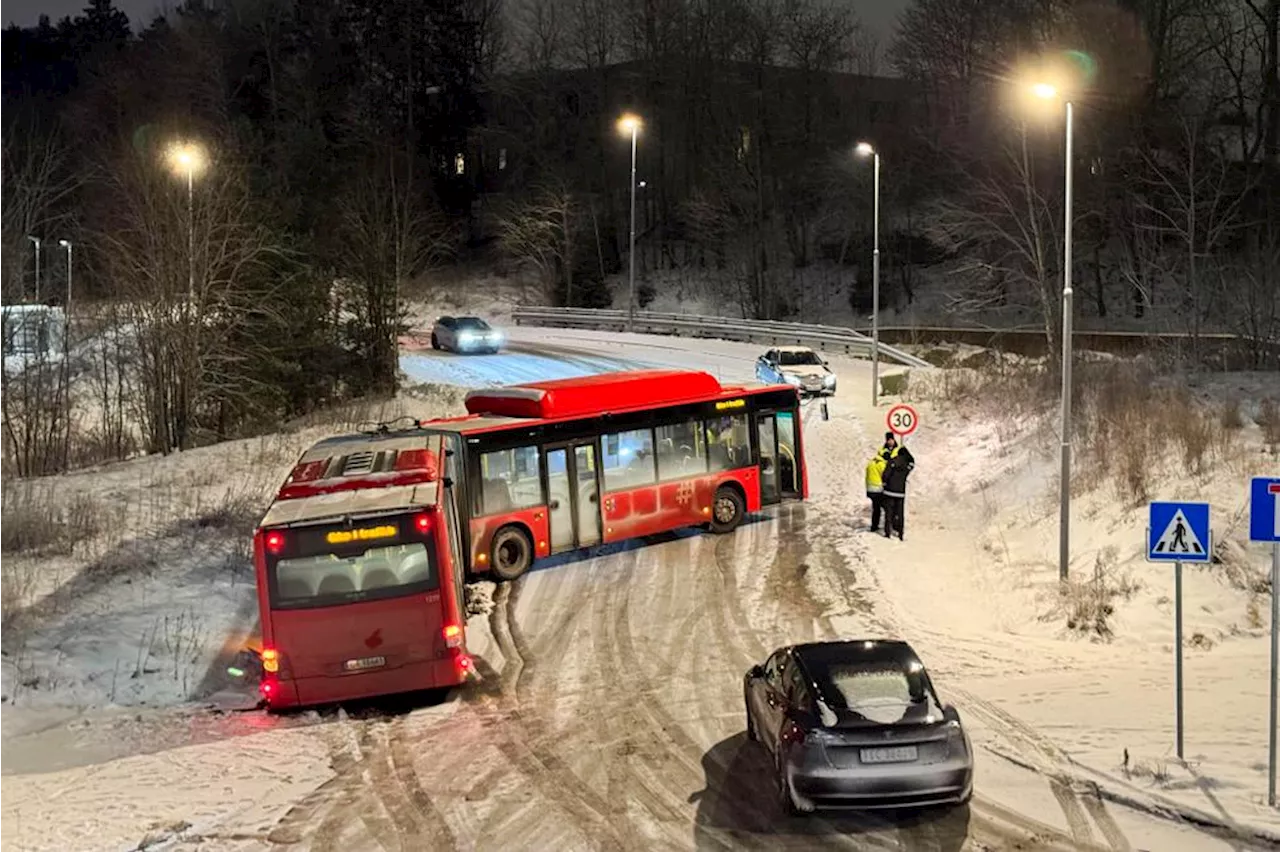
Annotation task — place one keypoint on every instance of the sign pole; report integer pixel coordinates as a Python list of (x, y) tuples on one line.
[(1275, 653), (1177, 641)]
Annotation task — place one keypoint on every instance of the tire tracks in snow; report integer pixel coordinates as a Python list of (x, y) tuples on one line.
[(524, 737), (374, 785)]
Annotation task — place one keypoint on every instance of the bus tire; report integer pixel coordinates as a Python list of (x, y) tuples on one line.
[(511, 553), (727, 509), (435, 341)]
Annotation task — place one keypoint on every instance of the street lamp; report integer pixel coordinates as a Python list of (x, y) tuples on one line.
[(631, 124), (866, 149), (66, 244), (1049, 92), (188, 158), (36, 241)]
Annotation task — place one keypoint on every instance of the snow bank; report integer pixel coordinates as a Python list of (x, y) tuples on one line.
[(974, 587), (167, 796)]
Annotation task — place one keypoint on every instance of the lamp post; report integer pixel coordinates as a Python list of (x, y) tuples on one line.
[(188, 158), (66, 244), (866, 149), (1046, 91), (36, 241), (631, 124)]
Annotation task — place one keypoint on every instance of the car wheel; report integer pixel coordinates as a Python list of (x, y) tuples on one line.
[(752, 736), (727, 509), (435, 341), (511, 553)]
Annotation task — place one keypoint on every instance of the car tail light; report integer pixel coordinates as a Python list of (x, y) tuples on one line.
[(270, 660), (452, 636), (422, 523), (274, 542), (956, 742)]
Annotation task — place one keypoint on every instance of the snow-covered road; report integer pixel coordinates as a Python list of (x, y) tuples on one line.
[(610, 715)]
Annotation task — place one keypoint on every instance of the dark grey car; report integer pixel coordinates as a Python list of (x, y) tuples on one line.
[(857, 724)]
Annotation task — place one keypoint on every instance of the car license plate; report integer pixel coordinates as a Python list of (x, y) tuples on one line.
[(900, 754), (364, 663)]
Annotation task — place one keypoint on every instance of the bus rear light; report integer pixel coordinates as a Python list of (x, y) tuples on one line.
[(274, 542), (452, 636), (482, 558), (267, 688), (422, 523), (270, 660)]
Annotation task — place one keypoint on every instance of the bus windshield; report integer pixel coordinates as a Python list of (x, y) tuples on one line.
[(352, 573)]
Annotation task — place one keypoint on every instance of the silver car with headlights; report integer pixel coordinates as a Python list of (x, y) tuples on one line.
[(798, 366), (465, 334), (857, 725)]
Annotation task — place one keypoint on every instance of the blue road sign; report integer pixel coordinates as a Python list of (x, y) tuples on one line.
[(1264, 509), (1178, 532)]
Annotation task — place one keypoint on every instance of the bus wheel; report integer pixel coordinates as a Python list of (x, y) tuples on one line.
[(726, 510), (435, 341), (512, 553)]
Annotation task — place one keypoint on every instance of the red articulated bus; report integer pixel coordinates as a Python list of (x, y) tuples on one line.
[(361, 558)]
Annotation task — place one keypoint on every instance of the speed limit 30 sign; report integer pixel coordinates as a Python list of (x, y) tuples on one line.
[(902, 420)]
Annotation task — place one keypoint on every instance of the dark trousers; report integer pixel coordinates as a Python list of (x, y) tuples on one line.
[(894, 515), (877, 505)]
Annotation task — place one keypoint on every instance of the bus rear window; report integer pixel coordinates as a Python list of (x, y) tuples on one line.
[(353, 573)]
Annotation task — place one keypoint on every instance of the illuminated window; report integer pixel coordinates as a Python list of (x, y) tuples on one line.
[(459, 164), (628, 460), (502, 158), (728, 442), (681, 450), (510, 480)]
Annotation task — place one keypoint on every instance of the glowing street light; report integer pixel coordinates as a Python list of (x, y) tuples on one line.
[(1048, 92), (866, 149), (188, 158), (631, 124)]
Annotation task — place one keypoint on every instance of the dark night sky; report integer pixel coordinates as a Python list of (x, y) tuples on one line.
[(878, 15)]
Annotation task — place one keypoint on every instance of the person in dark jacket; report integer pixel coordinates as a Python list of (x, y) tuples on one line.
[(901, 463)]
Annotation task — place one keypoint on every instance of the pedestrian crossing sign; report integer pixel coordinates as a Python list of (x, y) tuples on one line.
[(1179, 532)]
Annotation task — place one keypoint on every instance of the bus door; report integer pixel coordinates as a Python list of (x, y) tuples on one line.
[(779, 457), (573, 495)]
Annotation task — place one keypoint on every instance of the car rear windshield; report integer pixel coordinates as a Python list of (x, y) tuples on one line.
[(473, 323), (797, 359), (878, 691), (352, 573)]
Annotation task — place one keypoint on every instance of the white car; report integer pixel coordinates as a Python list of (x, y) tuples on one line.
[(798, 366), (465, 334)]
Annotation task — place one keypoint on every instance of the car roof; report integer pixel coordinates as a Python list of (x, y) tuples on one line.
[(817, 656), (793, 348)]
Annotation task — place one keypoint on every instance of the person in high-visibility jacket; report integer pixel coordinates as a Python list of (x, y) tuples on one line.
[(875, 486)]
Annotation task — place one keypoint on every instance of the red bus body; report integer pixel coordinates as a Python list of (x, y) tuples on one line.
[(374, 630), (531, 470), (584, 412)]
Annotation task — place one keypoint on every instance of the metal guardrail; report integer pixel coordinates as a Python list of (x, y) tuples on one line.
[(824, 337)]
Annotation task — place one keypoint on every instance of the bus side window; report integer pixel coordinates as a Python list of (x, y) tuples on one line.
[(510, 480), (682, 450), (728, 442)]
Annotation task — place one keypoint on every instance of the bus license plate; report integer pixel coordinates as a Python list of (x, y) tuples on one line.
[(901, 754), (364, 663)]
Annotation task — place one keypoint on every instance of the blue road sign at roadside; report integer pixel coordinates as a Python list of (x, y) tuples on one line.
[(1178, 532), (1264, 509)]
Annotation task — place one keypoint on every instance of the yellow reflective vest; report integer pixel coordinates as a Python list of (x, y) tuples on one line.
[(875, 474)]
